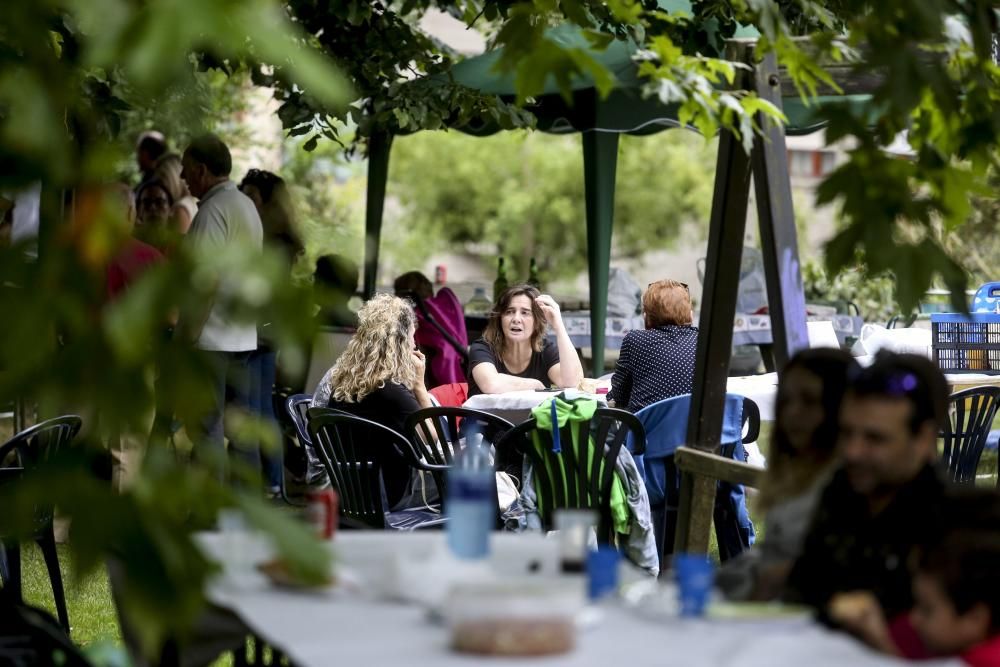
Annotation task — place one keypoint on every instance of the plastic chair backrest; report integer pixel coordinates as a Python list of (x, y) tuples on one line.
[(352, 449), (970, 419), (297, 406), (449, 425), (987, 298), (665, 423), (37, 445), (751, 421), (572, 478)]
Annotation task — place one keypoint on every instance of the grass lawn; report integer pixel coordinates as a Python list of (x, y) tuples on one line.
[(92, 614)]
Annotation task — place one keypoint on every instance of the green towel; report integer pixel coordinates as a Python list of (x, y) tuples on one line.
[(577, 411)]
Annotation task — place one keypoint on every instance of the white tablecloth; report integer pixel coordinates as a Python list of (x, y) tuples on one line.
[(352, 628), (763, 388), (516, 406)]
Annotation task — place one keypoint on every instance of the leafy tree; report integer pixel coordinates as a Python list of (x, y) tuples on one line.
[(529, 202), (935, 60), (872, 296)]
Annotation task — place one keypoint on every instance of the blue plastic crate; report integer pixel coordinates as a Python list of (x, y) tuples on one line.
[(966, 344)]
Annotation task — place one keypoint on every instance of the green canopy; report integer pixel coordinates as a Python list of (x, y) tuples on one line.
[(599, 120)]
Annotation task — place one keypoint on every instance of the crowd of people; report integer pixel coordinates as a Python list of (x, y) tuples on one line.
[(860, 523), (190, 201)]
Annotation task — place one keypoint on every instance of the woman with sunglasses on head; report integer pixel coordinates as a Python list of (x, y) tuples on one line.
[(657, 362), (514, 353)]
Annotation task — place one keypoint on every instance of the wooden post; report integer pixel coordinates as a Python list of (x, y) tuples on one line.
[(778, 238), (715, 333), (786, 300)]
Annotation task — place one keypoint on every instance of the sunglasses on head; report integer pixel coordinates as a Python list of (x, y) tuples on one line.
[(684, 285), (896, 385)]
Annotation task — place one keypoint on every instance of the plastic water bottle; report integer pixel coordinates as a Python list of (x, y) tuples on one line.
[(479, 304), (470, 508)]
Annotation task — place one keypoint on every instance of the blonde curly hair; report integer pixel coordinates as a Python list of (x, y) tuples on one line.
[(380, 351)]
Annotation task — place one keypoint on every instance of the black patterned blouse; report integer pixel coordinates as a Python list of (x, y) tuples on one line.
[(654, 364)]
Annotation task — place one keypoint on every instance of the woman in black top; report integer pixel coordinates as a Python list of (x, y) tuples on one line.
[(380, 377), (657, 362), (514, 354)]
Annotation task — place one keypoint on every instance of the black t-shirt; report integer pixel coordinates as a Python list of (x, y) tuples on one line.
[(538, 367), (388, 406), (847, 549)]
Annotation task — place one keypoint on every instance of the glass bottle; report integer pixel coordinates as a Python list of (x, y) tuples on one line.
[(533, 278), (479, 304), (500, 284)]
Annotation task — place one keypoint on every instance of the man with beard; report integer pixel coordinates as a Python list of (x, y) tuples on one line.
[(887, 497)]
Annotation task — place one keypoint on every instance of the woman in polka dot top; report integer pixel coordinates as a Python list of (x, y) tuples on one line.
[(657, 362)]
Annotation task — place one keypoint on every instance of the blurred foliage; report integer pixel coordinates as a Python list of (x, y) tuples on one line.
[(208, 102), (329, 196), (977, 241), (872, 295), (941, 86), (530, 202), (73, 75)]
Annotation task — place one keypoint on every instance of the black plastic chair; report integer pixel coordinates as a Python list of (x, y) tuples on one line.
[(751, 421), (570, 479), (352, 450), (448, 425), (30, 448), (297, 407), (970, 419), (256, 652)]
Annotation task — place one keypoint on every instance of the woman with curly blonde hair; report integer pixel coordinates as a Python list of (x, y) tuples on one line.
[(379, 377)]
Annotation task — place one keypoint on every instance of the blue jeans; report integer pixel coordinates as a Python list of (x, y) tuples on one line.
[(262, 375), (230, 389)]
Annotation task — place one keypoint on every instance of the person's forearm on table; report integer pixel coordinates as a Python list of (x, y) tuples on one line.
[(503, 382), (570, 368), (491, 381)]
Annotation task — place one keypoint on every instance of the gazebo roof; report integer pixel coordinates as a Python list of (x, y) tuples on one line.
[(626, 110)]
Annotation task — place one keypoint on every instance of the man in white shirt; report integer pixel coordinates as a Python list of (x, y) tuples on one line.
[(225, 217)]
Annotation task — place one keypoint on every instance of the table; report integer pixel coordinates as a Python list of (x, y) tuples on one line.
[(356, 628), (749, 329), (516, 406), (762, 389)]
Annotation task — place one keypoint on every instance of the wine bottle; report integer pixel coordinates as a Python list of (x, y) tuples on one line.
[(533, 278), (500, 284)]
